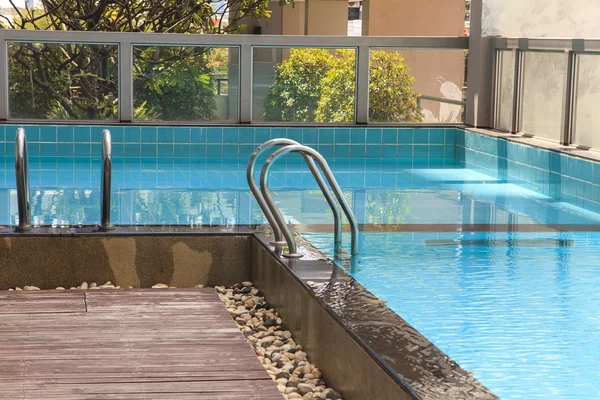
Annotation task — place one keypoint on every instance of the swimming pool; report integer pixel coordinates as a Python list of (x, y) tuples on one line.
[(488, 248)]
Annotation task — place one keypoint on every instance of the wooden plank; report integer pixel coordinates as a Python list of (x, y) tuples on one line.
[(36, 302), (129, 344)]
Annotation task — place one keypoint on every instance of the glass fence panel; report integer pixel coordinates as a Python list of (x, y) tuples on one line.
[(58, 81), (543, 88), (505, 87), (587, 99), (303, 85), (411, 85), (185, 83)]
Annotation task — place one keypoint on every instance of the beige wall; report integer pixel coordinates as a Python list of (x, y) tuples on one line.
[(437, 73)]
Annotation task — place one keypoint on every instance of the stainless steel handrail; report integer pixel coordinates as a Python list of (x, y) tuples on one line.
[(105, 185), (22, 172), (337, 218), (264, 187)]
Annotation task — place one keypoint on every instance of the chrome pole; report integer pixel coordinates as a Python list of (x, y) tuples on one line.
[(315, 155), (105, 188), (22, 171), (337, 218)]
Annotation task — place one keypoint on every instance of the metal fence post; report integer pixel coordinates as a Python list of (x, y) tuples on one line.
[(362, 84), (3, 78), (125, 81), (245, 84), (516, 94), (568, 99)]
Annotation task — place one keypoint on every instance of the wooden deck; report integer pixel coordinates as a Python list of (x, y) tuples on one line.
[(125, 344)]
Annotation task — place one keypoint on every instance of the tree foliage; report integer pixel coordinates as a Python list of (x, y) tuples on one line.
[(77, 81), (318, 85)]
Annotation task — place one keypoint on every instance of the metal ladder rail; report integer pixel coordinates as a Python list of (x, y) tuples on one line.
[(23, 189), (105, 181), (337, 218), (264, 186)]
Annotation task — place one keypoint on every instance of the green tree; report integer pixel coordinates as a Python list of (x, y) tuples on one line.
[(318, 85), (80, 81)]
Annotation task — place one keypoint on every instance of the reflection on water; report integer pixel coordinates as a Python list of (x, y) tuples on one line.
[(210, 191), (520, 310)]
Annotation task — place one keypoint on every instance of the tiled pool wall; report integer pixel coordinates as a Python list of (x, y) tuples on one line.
[(429, 145), (558, 175), (561, 176)]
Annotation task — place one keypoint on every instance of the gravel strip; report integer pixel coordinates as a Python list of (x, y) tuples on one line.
[(281, 356)]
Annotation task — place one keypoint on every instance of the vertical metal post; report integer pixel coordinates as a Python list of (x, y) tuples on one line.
[(567, 101), (125, 81), (22, 172), (363, 65), (105, 185), (517, 91), (3, 78), (246, 69)]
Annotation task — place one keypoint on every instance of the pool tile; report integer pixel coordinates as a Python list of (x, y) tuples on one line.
[(230, 150), (181, 135), (436, 136), (326, 150), (342, 151), (262, 135), (149, 134), (198, 135), (295, 134), (47, 134), (358, 136), (342, 135), (83, 149), (389, 151), (405, 151), (405, 136), (373, 151), (133, 134), (165, 149), (65, 134), (181, 150), (373, 136), (214, 135), (82, 134), (165, 135), (421, 136), (214, 150), (246, 135), (326, 135), (357, 151), (310, 136), (389, 136), (230, 136), (149, 150)]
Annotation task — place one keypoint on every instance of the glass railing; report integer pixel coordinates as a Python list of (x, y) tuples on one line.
[(183, 79), (548, 88)]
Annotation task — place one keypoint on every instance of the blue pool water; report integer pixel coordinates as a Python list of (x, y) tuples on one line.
[(519, 310)]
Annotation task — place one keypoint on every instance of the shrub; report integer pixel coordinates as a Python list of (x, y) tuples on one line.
[(319, 85)]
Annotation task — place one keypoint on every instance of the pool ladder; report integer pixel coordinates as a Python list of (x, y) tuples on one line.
[(23, 188), (273, 214)]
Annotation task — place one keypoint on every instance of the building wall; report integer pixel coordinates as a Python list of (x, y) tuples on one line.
[(541, 18), (437, 73)]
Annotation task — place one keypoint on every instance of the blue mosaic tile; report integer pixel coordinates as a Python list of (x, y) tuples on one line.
[(436, 136), (342, 135), (373, 136), (310, 136), (181, 135), (358, 136), (421, 136), (326, 135)]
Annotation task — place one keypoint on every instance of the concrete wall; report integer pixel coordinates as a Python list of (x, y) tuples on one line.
[(541, 18), (437, 73), (139, 261)]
